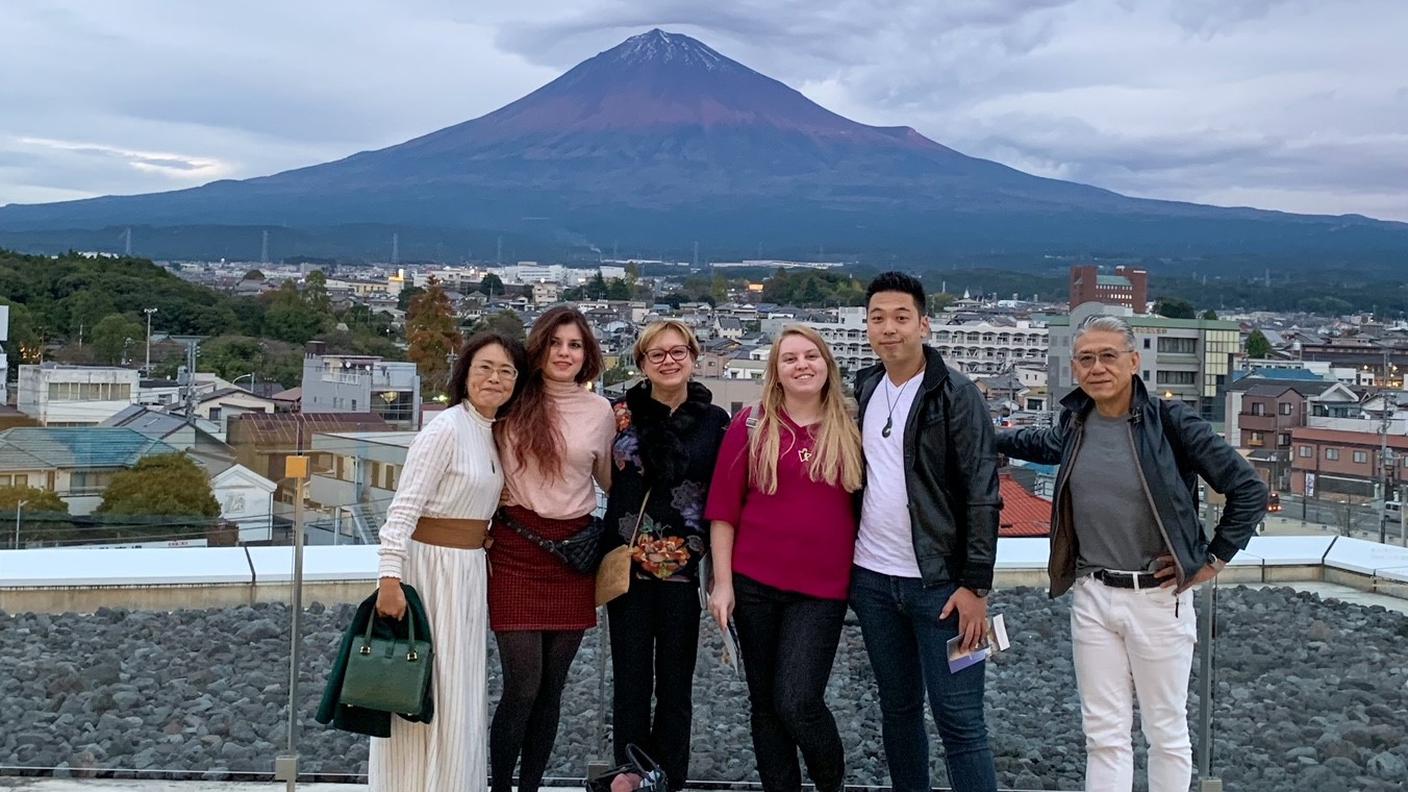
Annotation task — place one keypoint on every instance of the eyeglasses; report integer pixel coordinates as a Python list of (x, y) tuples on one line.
[(1106, 358), (485, 371), (657, 356)]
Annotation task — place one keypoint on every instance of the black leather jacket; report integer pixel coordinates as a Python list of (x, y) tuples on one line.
[(950, 470), (1170, 459)]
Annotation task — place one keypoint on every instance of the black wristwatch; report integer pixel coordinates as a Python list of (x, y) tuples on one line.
[(980, 593)]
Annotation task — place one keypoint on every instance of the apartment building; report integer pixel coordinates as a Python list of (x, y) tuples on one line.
[(1262, 413), (362, 383), (62, 395), (1188, 359), (975, 348)]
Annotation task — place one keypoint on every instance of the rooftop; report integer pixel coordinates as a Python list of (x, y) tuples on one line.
[(28, 447)]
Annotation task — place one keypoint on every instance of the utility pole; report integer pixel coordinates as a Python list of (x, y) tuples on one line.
[(19, 507), (1384, 464), (147, 369), (286, 764), (264, 248)]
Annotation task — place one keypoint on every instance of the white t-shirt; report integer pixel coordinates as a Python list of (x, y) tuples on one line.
[(886, 540)]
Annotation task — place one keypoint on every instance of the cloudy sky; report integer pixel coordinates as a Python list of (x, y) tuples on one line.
[(1299, 105)]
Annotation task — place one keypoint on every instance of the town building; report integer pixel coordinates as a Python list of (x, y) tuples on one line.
[(1187, 359), (1127, 287), (63, 395), (361, 384), (77, 463)]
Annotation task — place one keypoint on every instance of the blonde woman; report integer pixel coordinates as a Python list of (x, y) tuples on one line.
[(783, 531), (668, 433)]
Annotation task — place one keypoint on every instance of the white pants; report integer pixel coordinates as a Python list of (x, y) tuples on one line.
[(1131, 643)]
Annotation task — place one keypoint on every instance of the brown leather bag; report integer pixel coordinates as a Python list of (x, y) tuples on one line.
[(613, 577)]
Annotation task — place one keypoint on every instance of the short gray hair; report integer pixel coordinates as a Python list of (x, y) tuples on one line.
[(1103, 323)]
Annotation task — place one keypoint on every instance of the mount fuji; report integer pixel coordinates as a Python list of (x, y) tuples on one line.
[(660, 142)]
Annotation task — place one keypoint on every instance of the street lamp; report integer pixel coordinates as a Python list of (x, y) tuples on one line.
[(236, 381), (148, 368), (18, 508)]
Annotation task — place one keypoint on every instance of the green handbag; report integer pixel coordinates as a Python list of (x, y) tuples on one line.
[(388, 674)]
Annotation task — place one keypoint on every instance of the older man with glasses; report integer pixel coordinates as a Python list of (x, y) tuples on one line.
[(1125, 533)]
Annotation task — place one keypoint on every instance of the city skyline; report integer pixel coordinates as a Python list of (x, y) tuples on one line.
[(1243, 103)]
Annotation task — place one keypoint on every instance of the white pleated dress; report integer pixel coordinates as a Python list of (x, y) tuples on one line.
[(452, 470)]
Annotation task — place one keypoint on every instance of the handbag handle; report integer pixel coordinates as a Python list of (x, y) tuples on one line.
[(642, 761), (640, 517), (411, 654)]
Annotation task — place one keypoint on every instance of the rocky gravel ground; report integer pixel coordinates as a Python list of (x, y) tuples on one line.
[(1310, 694)]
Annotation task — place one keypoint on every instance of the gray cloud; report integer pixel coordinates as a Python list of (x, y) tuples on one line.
[(1287, 104)]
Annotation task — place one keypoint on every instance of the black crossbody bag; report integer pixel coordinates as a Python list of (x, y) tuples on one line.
[(581, 552)]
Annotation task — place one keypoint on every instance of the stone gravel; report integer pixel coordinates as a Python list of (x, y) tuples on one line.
[(1310, 694)]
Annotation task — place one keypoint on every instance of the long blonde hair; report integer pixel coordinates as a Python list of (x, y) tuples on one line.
[(836, 454)]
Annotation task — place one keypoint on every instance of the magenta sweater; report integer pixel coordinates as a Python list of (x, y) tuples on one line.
[(800, 538)]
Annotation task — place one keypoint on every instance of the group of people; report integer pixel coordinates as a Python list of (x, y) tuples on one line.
[(881, 496)]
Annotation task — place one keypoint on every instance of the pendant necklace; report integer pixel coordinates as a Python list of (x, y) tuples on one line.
[(890, 418)]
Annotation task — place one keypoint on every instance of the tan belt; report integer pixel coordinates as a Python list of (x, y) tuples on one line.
[(464, 534)]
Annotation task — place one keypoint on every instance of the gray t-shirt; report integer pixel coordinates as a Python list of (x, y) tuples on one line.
[(1115, 529)]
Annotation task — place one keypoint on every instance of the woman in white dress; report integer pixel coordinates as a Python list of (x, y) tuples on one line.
[(433, 540)]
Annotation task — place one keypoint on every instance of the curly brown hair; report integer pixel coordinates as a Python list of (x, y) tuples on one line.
[(532, 423)]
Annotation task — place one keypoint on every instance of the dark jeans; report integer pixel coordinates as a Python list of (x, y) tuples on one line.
[(906, 642), (788, 642), (535, 666), (654, 642)]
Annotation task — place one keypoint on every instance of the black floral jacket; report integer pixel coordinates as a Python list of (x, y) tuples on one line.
[(672, 456)]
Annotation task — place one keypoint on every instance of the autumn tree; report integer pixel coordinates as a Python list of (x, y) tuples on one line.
[(433, 335)]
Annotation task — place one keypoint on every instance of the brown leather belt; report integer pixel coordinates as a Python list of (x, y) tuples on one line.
[(464, 534)]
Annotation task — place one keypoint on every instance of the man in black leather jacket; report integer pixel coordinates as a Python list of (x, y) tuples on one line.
[(927, 540), (1126, 535)]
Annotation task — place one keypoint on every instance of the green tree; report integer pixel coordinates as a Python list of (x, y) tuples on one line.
[(1175, 308), (505, 322), (253, 275), (433, 334), (111, 336), (315, 293), (409, 293), (491, 284), (85, 309), (1257, 345), (161, 485), (291, 319), (40, 517), (25, 343), (619, 373), (1209, 314), (618, 290), (596, 287), (938, 302)]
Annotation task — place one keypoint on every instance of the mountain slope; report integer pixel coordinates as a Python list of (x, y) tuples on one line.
[(662, 140)]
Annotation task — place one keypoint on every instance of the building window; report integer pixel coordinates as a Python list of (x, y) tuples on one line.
[(214, 413), (1305, 452), (1360, 457), (1258, 408), (1146, 346), (1284, 408), (1146, 375), (1256, 439), (1178, 346), (1332, 454), (1284, 441), (1177, 377)]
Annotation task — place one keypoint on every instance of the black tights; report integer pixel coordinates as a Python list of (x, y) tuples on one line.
[(535, 666)]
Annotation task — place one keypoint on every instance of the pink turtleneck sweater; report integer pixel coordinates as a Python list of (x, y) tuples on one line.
[(588, 426)]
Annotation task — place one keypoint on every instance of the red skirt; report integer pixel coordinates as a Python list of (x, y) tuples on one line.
[(530, 588)]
